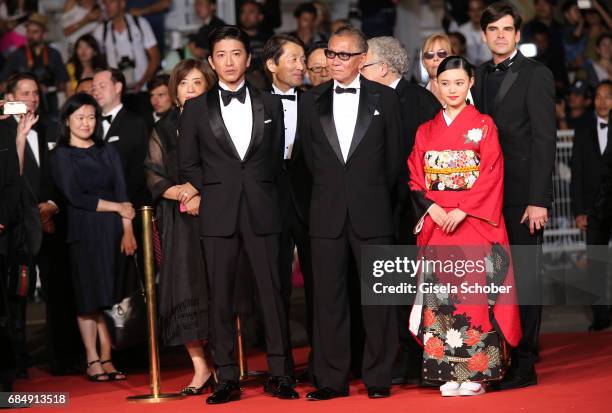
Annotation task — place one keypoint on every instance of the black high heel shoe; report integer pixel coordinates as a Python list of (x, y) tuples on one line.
[(97, 378), (196, 391), (114, 375)]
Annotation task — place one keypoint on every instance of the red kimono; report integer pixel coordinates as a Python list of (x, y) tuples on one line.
[(461, 166)]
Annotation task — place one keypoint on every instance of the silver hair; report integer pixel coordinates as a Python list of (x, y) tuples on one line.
[(389, 50)]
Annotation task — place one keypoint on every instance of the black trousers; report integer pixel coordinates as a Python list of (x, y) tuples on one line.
[(527, 276), (598, 234), (222, 264), (332, 327)]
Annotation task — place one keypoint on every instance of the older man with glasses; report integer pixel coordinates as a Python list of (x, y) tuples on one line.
[(350, 132), (316, 63)]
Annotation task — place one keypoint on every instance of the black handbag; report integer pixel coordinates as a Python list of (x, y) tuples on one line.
[(127, 319)]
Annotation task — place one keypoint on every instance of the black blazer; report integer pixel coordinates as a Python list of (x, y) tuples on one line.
[(363, 186), (587, 168), (129, 134), (603, 200), (209, 160), (525, 118), (9, 186)]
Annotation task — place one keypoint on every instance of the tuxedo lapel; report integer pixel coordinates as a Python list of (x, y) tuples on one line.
[(217, 125), (114, 126), (509, 79), (365, 113), (257, 131), (326, 115)]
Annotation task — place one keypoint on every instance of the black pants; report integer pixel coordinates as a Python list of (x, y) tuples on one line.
[(7, 354), (598, 235), (527, 267), (332, 327), (222, 257)]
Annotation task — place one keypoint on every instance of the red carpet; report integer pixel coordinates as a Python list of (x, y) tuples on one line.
[(575, 374)]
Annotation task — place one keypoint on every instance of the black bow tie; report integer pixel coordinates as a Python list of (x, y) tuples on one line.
[(502, 67), (340, 90), (287, 97), (228, 95), (108, 118), (602, 125)]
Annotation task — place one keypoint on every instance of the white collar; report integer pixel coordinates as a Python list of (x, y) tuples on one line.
[(113, 112), (601, 120), (226, 87), (394, 84), (447, 118), (356, 83), (277, 91)]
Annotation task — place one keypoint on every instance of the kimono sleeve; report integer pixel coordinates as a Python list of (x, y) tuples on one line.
[(417, 177), (484, 200)]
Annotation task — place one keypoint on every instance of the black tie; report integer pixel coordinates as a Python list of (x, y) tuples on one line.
[(340, 90), (602, 125), (502, 67), (108, 118), (287, 97), (228, 95)]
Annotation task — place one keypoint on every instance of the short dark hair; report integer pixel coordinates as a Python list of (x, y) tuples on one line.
[(497, 11), (229, 32), (568, 4), (459, 36), (304, 8), (116, 77), (72, 104), (14, 79), (455, 62), (316, 46), (274, 47), (601, 38), (606, 82), (83, 80), (252, 2), (182, 69), (348, 30), (157, 81)]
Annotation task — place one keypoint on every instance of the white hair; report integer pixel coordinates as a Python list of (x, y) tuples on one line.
[(390, 51)]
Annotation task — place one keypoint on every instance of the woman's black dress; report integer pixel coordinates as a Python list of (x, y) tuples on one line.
[(183, 293), (85, 176)]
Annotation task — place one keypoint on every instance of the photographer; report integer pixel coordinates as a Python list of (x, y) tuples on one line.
[(43, 61), (129, 44)]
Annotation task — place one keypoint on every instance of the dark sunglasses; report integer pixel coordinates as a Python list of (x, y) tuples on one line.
[(442, 54), (330, 54)]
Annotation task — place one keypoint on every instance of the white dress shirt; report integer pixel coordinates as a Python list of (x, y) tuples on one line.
[(394, 84), (113, 112), (238, 119), (290, 114), (345, 107), (602, 134)]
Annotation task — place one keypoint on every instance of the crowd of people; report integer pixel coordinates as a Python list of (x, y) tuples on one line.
[(252, 145)]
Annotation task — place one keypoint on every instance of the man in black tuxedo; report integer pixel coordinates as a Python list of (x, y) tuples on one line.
[(284, 59), (231, 150), (590, 143), (519, 94), (385, 63), (37, 193), (125, 130), (350, 132)]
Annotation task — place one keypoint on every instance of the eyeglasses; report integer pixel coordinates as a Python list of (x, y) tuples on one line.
[(442, 54), (371, 64), (330, 54), (318, 69)]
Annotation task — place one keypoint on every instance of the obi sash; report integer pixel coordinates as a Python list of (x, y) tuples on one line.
[(450, 170)]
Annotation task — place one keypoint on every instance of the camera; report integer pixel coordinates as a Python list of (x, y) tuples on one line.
[(127, 65)]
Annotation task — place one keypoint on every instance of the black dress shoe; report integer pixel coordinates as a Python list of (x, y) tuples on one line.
[(226, 392), (281, 387), (378, 392), (325, 394), (518, 379)]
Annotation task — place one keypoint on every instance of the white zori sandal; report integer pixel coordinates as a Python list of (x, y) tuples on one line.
[(471, 388), (450, 388)]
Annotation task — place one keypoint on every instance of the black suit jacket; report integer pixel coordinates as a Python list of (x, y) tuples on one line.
[(603, 200), (587, 168), (209, 160), (129, 134), (525, 118), (361, 187), (9, 186)]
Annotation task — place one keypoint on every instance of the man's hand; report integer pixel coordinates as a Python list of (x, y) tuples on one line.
[(26, 122), (536, 216), (452, 220), (193, 206), (581, 222), (438, 214)]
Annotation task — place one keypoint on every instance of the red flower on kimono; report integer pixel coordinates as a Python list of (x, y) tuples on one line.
[(460, 181), (473, 337), (478, 362), (435, 348), (429, 318)]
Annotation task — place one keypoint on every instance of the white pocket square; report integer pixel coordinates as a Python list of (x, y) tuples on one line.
[(376, 112), (51, 145), (268, 121), (112, 139)]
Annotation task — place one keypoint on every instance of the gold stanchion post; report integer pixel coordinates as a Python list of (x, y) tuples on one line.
[(245, 374), (149, 273)]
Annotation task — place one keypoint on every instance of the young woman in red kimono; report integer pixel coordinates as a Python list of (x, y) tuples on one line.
[(456, 181)]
